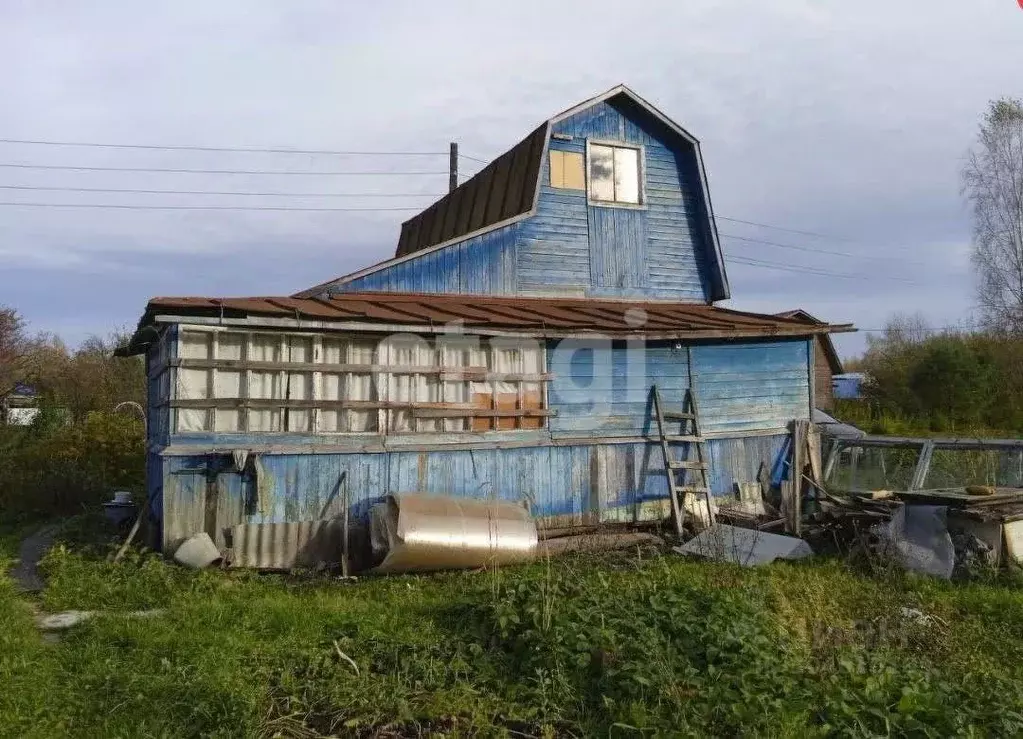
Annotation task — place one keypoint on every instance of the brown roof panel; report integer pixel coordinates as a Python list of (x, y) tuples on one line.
[(530, 316), (502, 190)]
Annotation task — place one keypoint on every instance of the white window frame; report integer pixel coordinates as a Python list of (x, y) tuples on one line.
[(641, 172)]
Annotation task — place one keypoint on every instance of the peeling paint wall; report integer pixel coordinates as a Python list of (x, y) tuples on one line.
[(586, 483)]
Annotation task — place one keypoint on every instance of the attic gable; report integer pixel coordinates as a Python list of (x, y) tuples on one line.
[(508, 190)]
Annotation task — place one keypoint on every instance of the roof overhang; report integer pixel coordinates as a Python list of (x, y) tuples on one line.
[(384, 313)]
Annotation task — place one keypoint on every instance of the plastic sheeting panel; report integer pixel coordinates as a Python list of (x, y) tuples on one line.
[(918, 537), (747, 547)]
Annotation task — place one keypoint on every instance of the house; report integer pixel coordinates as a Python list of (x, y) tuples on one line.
[(826, 361), (849, 386), (508, 349), (19, 407)]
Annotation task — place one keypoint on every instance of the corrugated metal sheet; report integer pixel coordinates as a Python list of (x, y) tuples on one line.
[(283, 546), (533, 316)]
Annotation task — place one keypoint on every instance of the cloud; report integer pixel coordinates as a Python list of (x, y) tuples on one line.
[(847, 119)]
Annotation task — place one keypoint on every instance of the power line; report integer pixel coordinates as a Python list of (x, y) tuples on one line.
[(782, 228), (235, 149), (923, 329), (119, 206), (473, 159), (215, 171), (224, 192), (810, 270), (814, 250)]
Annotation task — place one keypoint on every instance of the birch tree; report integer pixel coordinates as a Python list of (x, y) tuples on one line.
[(993, 183)]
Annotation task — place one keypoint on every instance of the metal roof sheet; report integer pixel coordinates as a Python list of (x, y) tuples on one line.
[(503, 189), (531, 316)]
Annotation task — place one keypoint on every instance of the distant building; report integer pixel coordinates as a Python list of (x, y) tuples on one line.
[(20, 407), (849, 386), (826, 364)]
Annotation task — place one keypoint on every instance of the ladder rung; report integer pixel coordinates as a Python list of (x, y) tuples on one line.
[(683, 438), (690, 489), (678, 416), (688, 465)]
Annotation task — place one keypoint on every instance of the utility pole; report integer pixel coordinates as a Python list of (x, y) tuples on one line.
[(453, 167)]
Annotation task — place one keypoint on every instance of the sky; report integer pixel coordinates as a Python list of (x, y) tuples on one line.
[(847, 120)]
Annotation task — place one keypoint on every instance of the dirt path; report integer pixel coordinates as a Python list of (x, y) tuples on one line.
[(32, 549)]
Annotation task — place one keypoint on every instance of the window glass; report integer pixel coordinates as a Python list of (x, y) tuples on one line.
[(602, 179), (626, 175), (614, 174)]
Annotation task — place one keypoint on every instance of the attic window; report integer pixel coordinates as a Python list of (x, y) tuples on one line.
[(614, 173), (567, 170)]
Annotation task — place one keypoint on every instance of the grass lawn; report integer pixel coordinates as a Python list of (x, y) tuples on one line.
[(619, 645)]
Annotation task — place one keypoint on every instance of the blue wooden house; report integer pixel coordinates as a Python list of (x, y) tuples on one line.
[(508, 349)]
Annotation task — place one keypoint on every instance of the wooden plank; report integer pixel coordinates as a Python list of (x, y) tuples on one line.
[(795, 512), (688, 464), (241, 364), (278, 403), (418, 412)]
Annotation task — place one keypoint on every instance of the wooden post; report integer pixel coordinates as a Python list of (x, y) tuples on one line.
[(453, 167)]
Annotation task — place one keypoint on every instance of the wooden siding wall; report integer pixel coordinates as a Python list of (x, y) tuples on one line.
[(566, 485), (657, 251), (824, 392), (482, 265), (159, 378), (660, 250), (554, 248), (752, 386), (741, 387)]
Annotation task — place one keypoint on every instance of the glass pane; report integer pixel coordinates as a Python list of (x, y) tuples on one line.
[(602, 185), (626, 175)]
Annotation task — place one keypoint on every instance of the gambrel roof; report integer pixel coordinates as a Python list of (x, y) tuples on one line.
[(508, 190)]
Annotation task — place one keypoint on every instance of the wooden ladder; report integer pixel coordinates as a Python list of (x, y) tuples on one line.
[(690, 414)]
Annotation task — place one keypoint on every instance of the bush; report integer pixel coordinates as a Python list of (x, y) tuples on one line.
[(950, 383), (57, 468)]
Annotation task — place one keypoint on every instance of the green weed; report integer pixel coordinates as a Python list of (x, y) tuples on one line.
[(571, 647)]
